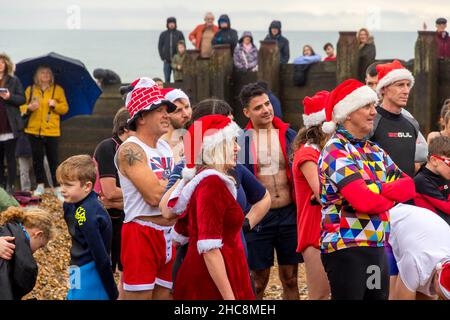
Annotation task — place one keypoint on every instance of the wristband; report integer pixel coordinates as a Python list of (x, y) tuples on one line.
[(246, 225)]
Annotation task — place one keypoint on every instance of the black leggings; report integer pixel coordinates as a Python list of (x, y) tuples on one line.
[(8, 150), (357, 273), (41, 146), (117, 223)]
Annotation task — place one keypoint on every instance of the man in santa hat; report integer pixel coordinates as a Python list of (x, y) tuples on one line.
[(267, 157), (178, 120), (396, 131), (144, 164)]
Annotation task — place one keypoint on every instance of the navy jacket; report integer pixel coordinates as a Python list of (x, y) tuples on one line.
[(91, 231), (283, 43)]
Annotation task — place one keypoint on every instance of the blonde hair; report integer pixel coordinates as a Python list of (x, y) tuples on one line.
[(30, 218), (219, 157), (9, 65), (36, 80), (80, 167), (359, 33)]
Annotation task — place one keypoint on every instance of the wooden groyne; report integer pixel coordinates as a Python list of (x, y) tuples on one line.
[(215, 77)]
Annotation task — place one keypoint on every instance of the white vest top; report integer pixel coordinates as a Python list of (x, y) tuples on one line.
[(160, 161)]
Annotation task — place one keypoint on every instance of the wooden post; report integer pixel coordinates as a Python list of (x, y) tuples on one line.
[(202, 76), (426, 69), (347, 56), (221, 69), (189, 85), (269, 65)]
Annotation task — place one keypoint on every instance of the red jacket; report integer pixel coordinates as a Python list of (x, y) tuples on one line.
[(443, 41), (198, 32)]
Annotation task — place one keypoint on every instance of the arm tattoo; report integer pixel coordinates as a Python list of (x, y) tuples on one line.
[(131, 155)]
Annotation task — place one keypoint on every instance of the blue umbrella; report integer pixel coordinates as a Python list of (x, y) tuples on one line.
[(80, 89)]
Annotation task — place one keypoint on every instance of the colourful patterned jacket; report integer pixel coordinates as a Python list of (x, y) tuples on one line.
[(359, 183)]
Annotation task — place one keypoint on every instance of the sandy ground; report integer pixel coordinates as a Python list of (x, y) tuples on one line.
[(53, 261)]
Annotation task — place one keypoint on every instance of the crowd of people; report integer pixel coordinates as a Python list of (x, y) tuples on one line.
[(172, 45), (185, 204)]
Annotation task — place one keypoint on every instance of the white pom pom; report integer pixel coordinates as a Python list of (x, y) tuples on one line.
[(188, 173), (328, 127)]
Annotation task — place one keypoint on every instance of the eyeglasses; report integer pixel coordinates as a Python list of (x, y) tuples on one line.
[(446, 160)]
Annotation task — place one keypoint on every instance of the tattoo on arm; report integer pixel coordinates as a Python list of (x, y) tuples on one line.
[(132, 154)]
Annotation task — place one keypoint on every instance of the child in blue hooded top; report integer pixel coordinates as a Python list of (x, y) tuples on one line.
[(89, 224)]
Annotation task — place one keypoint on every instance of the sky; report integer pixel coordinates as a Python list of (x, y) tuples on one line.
[(321, 15)]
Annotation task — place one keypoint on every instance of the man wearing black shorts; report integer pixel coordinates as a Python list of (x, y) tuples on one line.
[(266, 154)]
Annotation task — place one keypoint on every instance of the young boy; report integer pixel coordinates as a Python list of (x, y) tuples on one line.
[(90, 227), (177, 61), (433, 179)]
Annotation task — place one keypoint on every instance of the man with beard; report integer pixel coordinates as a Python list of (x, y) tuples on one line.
[(178, 120)]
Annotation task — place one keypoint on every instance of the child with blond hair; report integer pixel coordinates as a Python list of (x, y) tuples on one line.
[(31, 229)]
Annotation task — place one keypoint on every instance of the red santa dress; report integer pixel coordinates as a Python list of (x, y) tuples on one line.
[(309, 216), (214, 221)]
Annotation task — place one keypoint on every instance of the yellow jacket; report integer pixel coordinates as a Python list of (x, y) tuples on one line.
[(45, 121)]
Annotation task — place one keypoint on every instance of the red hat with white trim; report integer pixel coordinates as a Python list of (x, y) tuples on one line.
[(173, 94), (346, 98), (205, 134), (444, 278), (314, 109), (145, 96), (388, 73)]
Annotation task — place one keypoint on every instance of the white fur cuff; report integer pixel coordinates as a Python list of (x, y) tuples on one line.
[(314, 119), (208, 245), (182, 240)]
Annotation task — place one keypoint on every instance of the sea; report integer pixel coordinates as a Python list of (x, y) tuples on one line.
[(134, 53)]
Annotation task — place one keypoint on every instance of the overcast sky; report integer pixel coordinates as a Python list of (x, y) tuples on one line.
[(383, 15)]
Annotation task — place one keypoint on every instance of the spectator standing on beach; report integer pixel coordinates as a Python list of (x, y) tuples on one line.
[(245, 56), (444, 122), (144, 164), (274, 101), (31, 230), (372, 76), (167, 45), (443, 38), (178, 120), (283, 43), (225, 35), (359, 184), (11, 124), (178, 60), (201, 37), (108, 184), (90, 229), (396, 131), (44, 106), (329, 50), (367, 52), (266, 154), (306, 147)]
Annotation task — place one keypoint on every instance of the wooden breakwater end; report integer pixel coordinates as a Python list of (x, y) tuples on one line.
[(215, 77)]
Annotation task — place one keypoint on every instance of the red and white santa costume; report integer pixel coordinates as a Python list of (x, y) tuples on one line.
[(207, 198)]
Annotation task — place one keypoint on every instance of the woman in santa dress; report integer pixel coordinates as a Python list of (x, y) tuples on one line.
[(307, 146), (215, 266)]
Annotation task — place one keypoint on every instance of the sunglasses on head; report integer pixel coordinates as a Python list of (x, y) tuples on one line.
[(446, 160)]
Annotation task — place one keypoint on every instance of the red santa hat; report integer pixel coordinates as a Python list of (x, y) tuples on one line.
[(145, 96), (173, 94), (388, 73), (205, 134), (314, 109), (346, 98), (444, 278)]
